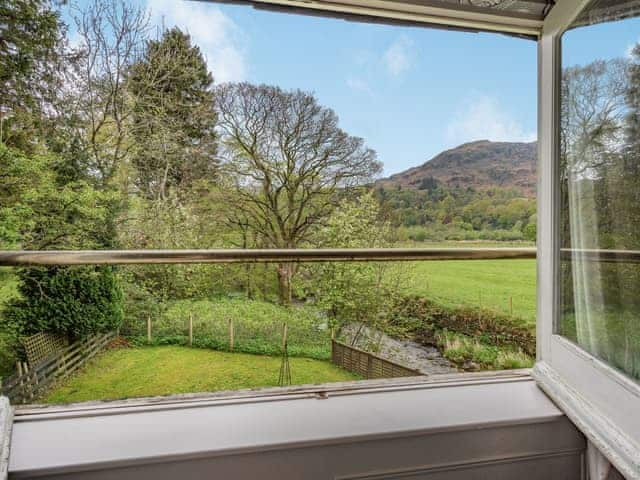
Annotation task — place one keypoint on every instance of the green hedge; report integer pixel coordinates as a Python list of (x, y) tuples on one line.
[(71, 301)]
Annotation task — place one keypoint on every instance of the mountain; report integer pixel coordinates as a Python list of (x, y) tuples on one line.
[(481, 165)]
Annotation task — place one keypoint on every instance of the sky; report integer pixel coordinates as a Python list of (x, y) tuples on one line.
[(409, 92), (581, 46)]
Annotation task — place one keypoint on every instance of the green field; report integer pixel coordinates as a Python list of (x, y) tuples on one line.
[(150, 371), (485, 283)]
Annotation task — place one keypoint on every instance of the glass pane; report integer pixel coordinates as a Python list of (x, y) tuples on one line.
[(208, 126), (600, 184)]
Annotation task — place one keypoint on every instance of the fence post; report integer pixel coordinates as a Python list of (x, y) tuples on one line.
[(35, 377), (190, 329), (22, 394), (231, 335), (333, 351), (62, 366), (149, 329), (29, 387), (284, 337)]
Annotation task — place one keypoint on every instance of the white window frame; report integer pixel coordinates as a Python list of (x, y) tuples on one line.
[(601, 401)]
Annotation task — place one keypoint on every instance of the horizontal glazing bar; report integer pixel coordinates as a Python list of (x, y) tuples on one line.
[(121, 257), (604, 256)]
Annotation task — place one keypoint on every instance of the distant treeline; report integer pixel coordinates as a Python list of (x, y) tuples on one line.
[(438, 212)]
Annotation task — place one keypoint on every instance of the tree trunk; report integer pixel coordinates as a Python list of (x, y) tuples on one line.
[(284, 283)]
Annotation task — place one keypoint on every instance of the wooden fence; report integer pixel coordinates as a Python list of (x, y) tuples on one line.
[(42, 345), (367, 364), (32, 380)]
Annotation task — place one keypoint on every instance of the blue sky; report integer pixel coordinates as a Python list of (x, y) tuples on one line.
[(601, 41), (409, 92)]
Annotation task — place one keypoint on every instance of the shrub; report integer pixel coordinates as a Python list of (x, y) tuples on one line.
[(10, 349), (491, 327), (71, 301), (471, 353), (530, 232)]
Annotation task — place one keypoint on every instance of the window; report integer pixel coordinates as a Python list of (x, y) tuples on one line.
[(587, 276), (282, 132), (600, 186)]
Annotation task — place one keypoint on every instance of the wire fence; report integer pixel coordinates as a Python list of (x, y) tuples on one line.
[(234, 326)]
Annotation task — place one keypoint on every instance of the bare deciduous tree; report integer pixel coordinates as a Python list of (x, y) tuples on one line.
[(111, 38), (593, 109), (288, 158)]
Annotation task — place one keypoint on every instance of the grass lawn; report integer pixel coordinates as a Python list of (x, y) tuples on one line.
[(488, 283), (149, 371)]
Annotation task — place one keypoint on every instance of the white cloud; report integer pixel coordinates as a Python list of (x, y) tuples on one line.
[(482, 118), (219, 38), (398, 58), (359, 85)]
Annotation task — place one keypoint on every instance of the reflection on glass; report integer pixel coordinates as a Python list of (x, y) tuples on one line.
[(600, 187)]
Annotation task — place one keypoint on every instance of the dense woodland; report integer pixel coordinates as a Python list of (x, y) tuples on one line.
[(438, 212), (125, 140)]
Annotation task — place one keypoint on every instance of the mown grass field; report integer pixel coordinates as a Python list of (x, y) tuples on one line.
[(484, 283), (150, 371)]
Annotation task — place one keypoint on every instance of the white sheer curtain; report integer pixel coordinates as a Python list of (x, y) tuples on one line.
[(588, 295)]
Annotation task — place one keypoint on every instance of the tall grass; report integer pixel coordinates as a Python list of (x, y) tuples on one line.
[(470, 353), (257, 327)]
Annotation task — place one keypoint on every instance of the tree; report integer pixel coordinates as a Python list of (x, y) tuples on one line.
[(74, 302), (592, 105), (359, 296), (288, 158), (631, 162), (111, 35), (531, 229), (171, 224), (174, 117), (30, 54), (40, 210)]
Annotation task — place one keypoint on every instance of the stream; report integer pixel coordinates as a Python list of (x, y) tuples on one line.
[(425, 358)]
